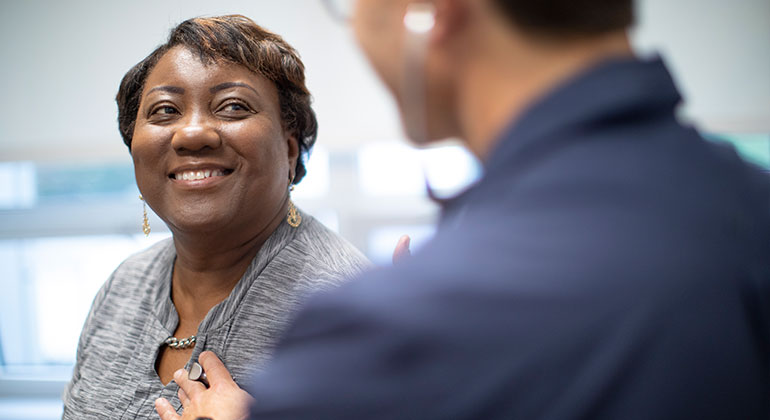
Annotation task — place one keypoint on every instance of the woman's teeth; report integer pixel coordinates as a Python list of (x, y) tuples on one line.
[(196, 175)]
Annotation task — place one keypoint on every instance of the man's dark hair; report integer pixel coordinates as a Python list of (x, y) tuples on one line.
[(568, 17), (233, 39)]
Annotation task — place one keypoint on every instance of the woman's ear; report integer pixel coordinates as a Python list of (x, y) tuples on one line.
[(293, 152)]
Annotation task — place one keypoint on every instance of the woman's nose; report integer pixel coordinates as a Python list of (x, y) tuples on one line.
[(195, 137)]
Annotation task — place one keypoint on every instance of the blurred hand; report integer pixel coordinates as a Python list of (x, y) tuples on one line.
[(401, 254), (223, 400)]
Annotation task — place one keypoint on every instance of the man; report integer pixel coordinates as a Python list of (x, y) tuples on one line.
[(610, 264)]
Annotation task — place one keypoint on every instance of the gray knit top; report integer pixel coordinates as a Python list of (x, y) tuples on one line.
[(132, 315)]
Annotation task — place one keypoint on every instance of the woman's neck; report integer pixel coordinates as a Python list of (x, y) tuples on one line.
[(208, 267)]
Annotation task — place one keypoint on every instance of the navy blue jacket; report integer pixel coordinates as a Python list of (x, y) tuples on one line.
[(611, 264)]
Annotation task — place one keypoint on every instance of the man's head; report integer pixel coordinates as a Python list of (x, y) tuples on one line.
[(567, 18), (478, 42)]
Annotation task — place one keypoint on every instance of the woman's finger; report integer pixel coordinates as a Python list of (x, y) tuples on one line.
[(190, 388), (216, 372), (165, 410), (183, 398)]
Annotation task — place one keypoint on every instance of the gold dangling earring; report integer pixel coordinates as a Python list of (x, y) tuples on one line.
[(145, 222), (293, 218)]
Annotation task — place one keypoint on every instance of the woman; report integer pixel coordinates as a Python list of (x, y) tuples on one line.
[(217, 121)]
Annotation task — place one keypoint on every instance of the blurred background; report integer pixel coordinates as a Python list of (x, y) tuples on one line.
[(69, 207)]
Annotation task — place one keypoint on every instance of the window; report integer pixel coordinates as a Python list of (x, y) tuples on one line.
[(65, 229), (392, 169), (754, 148)]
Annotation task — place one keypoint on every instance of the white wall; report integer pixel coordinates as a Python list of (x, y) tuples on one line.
[(719, 51)]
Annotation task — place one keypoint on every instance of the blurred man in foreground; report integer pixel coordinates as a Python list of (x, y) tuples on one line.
[(610, 264)]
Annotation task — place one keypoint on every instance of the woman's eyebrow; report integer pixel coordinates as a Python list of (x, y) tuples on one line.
[(171, 89), (228, 85)]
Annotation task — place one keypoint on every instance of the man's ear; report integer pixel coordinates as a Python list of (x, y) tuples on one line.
[(450, 16)]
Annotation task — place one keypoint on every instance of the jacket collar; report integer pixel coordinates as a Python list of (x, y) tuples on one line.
[(612, 90)]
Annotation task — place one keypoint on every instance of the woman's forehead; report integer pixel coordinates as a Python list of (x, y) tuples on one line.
[(183, 67), (184, 64)]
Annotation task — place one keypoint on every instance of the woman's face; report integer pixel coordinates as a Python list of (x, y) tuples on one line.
[(209, 149)]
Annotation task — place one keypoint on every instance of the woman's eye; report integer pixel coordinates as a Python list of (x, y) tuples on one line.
[(164, 110), (236, 107)]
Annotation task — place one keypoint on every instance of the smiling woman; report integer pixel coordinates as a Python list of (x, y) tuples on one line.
[(219, 125), (198, 119)]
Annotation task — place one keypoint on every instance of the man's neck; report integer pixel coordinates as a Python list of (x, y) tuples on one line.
[(496, 88)]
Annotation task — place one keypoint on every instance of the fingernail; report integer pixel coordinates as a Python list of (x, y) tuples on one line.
[(178, 374)]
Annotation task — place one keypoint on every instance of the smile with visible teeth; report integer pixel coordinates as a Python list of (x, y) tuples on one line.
[(199, 174)]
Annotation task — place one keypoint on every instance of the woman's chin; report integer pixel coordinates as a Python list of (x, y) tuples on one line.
[(199, 224)]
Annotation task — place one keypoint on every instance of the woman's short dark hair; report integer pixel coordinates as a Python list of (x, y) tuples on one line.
[(568, 17), (235, 39)]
